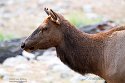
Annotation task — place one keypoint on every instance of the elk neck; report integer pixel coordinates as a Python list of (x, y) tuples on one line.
[(80, 51)]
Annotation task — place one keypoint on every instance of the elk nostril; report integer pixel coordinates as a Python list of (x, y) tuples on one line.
[(22, 45)]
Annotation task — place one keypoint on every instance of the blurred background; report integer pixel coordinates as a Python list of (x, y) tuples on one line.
[(19, 18)]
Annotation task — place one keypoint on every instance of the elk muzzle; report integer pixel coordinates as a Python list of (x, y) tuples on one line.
[(27, 48), (23, 45)]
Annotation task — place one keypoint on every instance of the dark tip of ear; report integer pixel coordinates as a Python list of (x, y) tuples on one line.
[(46, 10), (52, 11)]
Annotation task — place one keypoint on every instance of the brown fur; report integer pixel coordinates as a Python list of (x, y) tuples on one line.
[(82, 52)]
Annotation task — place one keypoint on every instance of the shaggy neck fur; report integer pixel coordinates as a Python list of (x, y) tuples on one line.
[(80, 51)]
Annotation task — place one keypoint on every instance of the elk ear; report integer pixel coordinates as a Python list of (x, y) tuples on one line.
[(47, 11), (54, 16)]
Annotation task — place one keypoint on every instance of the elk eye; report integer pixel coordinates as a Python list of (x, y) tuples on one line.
[(45, 28)]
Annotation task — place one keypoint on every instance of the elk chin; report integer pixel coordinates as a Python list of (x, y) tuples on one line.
[(27, 50)]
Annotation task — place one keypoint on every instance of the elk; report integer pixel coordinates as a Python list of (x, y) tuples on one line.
[(102, 54)]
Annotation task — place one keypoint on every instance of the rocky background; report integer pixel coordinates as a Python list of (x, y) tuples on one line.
[(19, 18)]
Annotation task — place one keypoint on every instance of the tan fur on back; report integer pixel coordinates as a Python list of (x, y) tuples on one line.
[(114, 54)]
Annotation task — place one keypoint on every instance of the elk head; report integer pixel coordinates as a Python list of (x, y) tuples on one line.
[(47, 35)]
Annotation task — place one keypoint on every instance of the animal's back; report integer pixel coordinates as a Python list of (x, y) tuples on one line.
[(114, 53)]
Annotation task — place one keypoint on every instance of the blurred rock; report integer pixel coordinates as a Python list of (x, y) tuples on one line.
[(3, 73), (102, 26), (49, 52), (14, 61), (89, 78), (28, 55), (60, 68), (33, 81), (22, 67), (6, 2), (11, 48), (47, 55)]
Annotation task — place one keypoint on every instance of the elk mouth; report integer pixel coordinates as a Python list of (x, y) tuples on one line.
[(31, 49)]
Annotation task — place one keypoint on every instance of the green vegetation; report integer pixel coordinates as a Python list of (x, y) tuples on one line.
[(80, 19), (4, 37)]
